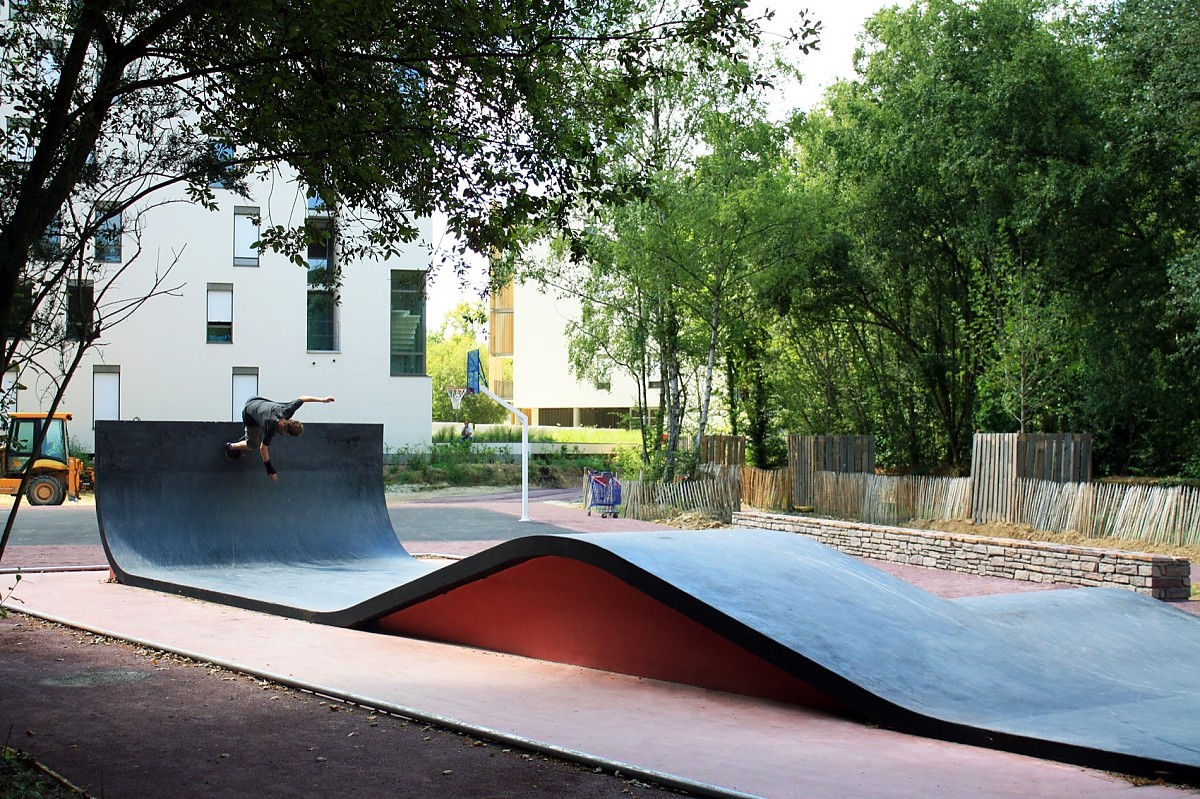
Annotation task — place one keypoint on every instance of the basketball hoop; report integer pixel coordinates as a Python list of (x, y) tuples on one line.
[(456, 394)]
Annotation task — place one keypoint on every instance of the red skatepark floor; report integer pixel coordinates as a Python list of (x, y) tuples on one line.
[(707, 742)]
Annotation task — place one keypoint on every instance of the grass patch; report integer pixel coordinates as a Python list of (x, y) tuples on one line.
[(22, 777), (511, 434), (461, 464)]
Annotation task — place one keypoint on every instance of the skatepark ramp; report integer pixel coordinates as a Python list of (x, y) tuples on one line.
[(1098, 677)]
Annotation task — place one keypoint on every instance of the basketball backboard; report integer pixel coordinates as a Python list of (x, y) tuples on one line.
[(475, 376)]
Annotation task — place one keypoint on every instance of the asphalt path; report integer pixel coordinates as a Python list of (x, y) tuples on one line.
[(66, 524), (459, 523), (75, 524)]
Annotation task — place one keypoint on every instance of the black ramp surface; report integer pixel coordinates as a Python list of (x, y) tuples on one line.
[(1099, 677), (176, 515)]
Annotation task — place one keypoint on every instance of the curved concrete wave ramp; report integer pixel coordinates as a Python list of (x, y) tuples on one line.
[(1098, 677)]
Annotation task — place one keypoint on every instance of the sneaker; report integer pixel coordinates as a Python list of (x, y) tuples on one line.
[(232, 454)]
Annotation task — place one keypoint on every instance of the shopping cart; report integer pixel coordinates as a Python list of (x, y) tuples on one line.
[(603, 494)]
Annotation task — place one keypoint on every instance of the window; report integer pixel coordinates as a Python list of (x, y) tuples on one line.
[(222, 171), (220, 313), (81, 309), (9, 395), (245, 236), (615, 418), (322, 321), (408, 322), (556, 417), (245, 386), (320, 249), (20, 313), (22, 440), (20, 141), (49, 246), (322, 293), (108, 234), (106, 392), (53, 445), (316, 203)]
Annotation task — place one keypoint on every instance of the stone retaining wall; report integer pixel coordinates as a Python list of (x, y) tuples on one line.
[(1160, 576)]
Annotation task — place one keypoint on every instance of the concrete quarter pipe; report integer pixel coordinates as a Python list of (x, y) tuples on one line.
[(1098, 677)]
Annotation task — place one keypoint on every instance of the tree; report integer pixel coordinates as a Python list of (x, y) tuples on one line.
[(624, 266), (718, 238), (1027, 382), (386, 109), (446, 359), (1152, 65), (961, 150)]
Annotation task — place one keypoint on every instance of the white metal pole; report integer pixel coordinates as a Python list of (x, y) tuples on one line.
[(524, 447)]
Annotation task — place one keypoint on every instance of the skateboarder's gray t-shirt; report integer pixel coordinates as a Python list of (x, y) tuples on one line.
[(265, 413)]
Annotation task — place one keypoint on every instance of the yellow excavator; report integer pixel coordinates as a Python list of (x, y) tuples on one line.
[(54, 474)]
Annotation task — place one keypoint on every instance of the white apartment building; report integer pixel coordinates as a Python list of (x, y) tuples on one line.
[(528, 340), (228, 323)]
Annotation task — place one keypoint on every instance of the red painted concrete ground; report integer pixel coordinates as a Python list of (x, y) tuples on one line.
[(134, 723)]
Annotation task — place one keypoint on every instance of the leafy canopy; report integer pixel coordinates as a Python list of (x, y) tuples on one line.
[(492, 111)]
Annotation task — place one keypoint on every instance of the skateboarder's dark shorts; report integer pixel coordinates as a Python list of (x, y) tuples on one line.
[(254, 433)]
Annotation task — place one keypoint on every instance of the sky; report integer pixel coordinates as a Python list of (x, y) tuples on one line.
[(842, 22)]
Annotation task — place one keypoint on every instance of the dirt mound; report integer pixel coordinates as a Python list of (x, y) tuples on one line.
[(692, 520), (1024, 532)]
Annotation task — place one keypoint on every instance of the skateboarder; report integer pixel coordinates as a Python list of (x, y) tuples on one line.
[(263, 419)]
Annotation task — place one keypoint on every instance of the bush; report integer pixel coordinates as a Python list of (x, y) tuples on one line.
[(627, 463), (461, 464)]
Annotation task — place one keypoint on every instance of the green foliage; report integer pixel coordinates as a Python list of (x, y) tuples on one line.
[(665, 279), (561, 435), (459, 464), (20, 778), (994, 227), (76, 450), (388, 110), (446, 362), (1027, 384), (627, 464), (958, 152)]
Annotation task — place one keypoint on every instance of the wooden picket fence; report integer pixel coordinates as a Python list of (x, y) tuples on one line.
[(840, 482), (650, 501), (766, 489), (722, 450), (890, 499), (1002, 462), (810, 455), (1158, 514)]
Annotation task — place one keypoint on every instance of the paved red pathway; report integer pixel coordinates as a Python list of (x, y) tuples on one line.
[(714, 743)]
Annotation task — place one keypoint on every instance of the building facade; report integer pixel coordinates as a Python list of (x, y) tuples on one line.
[(193, 321), (529, 363)]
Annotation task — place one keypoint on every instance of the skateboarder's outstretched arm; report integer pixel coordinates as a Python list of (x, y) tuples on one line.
[(316, 399)]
